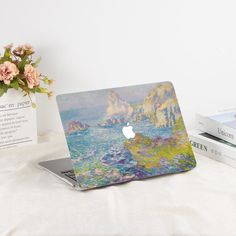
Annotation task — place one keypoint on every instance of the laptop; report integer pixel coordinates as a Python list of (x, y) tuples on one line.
[(122, 134)]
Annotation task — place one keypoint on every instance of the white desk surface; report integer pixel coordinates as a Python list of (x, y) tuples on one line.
[(34, 202)]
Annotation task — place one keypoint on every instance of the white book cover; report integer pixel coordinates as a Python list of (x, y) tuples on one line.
[(221, 125), (213, 147)]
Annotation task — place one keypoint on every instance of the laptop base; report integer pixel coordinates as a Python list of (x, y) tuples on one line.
[(61, 168)]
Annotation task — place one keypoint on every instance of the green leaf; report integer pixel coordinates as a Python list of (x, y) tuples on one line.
[(42, 90), (37, 90), (33, 90), (3, 88), (22, 64), (3, 59), (36, 63), (7, 53), (1, 92), (15, 84), (46, 80), (34, 105)]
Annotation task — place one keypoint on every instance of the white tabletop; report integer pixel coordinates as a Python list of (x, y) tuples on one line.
[(34, 202)]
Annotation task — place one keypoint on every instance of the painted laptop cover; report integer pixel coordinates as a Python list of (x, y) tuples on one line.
[(101, 151)]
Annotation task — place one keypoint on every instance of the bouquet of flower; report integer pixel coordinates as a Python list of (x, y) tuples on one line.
[(18, 70)]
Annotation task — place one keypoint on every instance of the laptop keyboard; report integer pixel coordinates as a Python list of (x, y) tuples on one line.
[(70, 174)]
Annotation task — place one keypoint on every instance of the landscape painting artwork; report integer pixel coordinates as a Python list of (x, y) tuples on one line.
[(101, 155)]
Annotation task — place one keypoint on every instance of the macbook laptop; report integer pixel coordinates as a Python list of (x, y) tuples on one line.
[(122, 134)]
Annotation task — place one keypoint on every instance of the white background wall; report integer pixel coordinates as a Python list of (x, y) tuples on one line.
[(89, 44)]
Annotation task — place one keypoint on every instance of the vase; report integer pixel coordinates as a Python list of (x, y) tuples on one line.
[(18, 121)]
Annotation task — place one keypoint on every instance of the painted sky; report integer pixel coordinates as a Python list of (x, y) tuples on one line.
[(98, 98)]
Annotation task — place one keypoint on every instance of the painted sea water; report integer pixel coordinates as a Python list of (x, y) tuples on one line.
[(100, 153)]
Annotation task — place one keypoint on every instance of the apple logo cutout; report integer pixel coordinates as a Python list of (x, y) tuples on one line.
[(128, 131)]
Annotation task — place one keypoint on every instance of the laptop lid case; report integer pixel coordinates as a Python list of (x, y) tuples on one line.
[(122, 134)]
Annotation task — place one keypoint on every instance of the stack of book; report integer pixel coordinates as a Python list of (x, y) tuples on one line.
[(215, 136)]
